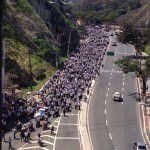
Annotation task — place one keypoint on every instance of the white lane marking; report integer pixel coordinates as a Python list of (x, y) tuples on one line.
[(68, 138), (122, 103), (109, 83), (111, 74), (105, 102), (105, 111), (110, 136), (112, 71), (68, 124), (110, 77), (79, 131), (108, 89), (72, 114), (44, 141), (106, 95), (123, 89), (34, 147), (123, 83), (43, 135), (106, 122), (46, 131)]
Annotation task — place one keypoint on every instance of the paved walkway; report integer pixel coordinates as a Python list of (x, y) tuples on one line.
[(145, 118)]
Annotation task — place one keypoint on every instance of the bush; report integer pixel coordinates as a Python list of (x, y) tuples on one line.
[(25, 6)]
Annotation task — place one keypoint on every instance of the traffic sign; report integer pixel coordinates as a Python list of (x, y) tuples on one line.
[(110, 53)]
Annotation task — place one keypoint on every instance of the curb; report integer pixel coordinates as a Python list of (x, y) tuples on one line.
[(83, 127)]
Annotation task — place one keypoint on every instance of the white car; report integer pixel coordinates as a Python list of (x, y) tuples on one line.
[(117, 96), (139, 146), (114, 43)]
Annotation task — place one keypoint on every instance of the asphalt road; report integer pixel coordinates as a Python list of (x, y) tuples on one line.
[(114, 125)]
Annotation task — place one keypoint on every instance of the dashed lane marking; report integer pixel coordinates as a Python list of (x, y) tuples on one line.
[(108, 89), (105, 111), (106, 122), (67, 138), (112, 71), (105, 102), (110, 136), (123, 83), (106, 95)]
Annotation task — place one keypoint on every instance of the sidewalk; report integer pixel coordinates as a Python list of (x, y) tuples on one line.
[(145, 117)]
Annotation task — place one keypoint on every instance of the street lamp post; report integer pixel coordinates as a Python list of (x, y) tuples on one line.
[(69, 43), (30, 68)]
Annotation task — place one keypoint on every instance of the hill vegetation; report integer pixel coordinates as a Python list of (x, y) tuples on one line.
[(31, 46), (98, 11)]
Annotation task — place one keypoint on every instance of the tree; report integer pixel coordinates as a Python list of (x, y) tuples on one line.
[(130, 35), (128, 65)]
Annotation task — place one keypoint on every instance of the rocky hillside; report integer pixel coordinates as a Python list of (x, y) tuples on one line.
[(139, 17), (36, 35)]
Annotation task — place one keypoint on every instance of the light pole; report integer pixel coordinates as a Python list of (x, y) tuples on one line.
[(69, 43), (30, 68), (56, 50)]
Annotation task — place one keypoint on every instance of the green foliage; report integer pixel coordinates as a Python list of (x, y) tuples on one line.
[(9, 30), (45, 48), (25, 7), (130, 35), (147, 49), (109, 10), (18, 64), (111, 16), (63, 59), (69, 23), (128, 65)]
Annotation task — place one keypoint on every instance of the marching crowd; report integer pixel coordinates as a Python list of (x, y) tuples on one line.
[(66, 87)]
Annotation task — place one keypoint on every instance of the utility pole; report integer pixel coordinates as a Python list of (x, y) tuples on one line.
[(69, 44), (147, 19), (3, 71), (30, 68), (1, 65)]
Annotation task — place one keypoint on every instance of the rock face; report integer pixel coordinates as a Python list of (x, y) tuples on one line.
[(57, 16)]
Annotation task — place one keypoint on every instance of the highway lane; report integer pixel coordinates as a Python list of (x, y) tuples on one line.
[(114, 125)]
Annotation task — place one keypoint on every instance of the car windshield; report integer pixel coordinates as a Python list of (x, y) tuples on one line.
[(142, 147)]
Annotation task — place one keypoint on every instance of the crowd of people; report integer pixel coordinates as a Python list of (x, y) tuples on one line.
[(66, 87), (79, 70)]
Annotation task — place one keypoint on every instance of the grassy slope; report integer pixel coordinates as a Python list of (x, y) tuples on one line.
[(28, 25)]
